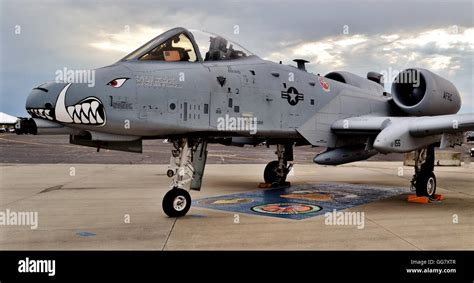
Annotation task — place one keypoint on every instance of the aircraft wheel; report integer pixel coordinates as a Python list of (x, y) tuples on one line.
[(270, 174), (426, 185), (170, 173), (176, 202)]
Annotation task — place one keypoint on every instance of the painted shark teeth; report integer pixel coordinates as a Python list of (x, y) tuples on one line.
[(70, 110), (41, 113), (94, 105), (88, 112)]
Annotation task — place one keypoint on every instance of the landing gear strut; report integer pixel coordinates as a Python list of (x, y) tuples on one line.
[(276, 171), (424, 180), (188, 161)]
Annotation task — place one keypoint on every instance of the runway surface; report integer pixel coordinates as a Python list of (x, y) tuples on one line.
[(112, 207)]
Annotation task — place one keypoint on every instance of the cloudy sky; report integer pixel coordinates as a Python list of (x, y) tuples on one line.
[(40, 37)]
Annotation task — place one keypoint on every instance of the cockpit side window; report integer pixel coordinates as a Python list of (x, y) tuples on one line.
[(216, 48), (177, 48), (220, 49)]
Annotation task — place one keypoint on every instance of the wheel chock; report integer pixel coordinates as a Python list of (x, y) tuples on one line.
[(439, 197), (424, 200), (416, 199)]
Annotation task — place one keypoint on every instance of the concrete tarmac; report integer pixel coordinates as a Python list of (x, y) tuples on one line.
[(118, 207)]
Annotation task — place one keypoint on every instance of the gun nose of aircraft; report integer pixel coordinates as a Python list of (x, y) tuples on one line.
[(42, 99), (66, 103)]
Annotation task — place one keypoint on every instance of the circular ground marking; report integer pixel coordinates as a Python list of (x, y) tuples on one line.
[(229, 201), (286, 208)]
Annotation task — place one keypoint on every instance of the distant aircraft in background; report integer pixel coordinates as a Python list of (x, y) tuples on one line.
[(7, 123)]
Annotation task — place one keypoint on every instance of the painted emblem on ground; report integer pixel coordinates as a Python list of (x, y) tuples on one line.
[(286, 208), (308, 195), (227, 201), (299, 201)]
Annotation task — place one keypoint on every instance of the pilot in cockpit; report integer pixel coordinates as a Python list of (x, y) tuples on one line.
[(170, 50), (180, 47), (218, 50)]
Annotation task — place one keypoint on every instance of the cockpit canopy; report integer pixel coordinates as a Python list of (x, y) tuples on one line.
[(181, 45)]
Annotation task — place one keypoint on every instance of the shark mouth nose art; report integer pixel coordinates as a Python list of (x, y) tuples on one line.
[(41, 113), (89, 111)]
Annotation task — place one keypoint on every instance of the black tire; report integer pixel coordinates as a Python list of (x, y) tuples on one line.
[(426, 185), (270, 174), (176, 202), (170, 173)]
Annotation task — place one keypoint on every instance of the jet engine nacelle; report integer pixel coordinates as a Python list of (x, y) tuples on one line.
[(357, 81), (419, 92)]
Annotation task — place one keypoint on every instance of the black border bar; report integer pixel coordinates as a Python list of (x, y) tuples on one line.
[(241, 265)]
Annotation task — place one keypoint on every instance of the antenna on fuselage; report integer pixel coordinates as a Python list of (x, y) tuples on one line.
[(300, 63)]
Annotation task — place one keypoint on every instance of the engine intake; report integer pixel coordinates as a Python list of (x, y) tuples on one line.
[(352, 79), (420, 92)]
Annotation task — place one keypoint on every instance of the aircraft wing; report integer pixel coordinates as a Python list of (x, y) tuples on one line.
[(404, 134), (425, 126)]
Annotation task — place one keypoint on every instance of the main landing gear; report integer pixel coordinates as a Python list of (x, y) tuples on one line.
[(424, 180), (186, 170), (276, 171)]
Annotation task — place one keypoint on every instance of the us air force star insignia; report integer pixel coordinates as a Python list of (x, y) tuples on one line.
[(292, 96)]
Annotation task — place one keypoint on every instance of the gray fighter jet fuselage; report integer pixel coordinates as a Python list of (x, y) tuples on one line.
[(193, 92)]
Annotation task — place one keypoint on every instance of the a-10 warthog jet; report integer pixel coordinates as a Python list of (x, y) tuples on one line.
[(194, 88)]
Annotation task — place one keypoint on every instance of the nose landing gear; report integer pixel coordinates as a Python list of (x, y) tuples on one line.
[(188, 161)]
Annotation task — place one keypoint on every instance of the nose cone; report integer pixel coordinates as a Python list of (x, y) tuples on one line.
[(66, 103), (42, 99), (82, 101)]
